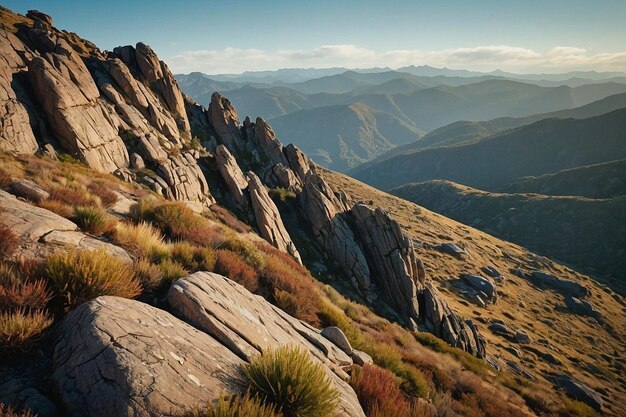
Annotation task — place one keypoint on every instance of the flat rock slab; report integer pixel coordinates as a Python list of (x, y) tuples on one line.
[(82, 241), (248, 325), (29, 222), (119, 357)]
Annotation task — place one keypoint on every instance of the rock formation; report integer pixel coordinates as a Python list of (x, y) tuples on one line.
[(249, 325), (232, 175), (120, 357), (267, 216), (225, 121)]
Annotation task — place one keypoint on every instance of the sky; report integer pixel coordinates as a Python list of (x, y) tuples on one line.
[(232, 36)]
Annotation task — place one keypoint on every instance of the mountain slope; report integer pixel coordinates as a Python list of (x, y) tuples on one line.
[(468, 131), (342, 137), (586, 233), (593, 181), (493, 163)]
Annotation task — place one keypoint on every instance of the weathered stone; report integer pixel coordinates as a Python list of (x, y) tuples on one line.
[(482, 285), (491, 271), (335, 335), (564, 286), (298, 162), (185, 181), (267, 144), (248, 325), (280, 175), (452, 249), (361, 358), (502, 330), (581, 307), (136, 161), (83, 124), (66, 238), (30, 222), (391, 258), (29, 190), (225, 121), (118, 357), (444, 323), (232, 175), (522, 337), (267, 217), (577, 390), (17, 393), (16, 134), (323, 209)]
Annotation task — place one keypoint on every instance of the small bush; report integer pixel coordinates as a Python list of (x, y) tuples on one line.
[(19, 328), (231, 265), (21, 294), (72, 196), (5, 179), (94, 220), (205, 258), (289, 379), (225, 217), (103, 191), (7, 411), (244, 406), (281, 194), (149, 274), (8, 242), (171, 271), (141, 239), (250, 253), (378, 392), (183, 253), (57, 207), (78, 276)]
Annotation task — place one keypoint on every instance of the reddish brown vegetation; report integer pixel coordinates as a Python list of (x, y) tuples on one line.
[(103, 190), (232, 265), (8, 242)]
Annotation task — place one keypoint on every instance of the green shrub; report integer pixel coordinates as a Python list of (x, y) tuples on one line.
[(8, 242), (243, 406), (20, 328), (281, 194), (78, 276), (171, 271), (288, 378), (94, 220)]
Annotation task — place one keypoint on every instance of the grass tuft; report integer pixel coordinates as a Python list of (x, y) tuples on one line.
[(20, 328), (94, 220), (103, 191), (240, 406), (288, 378), (78, 276), (141, 239)]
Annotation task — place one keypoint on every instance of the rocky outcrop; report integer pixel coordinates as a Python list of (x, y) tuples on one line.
[(225, 121), (485, 288), (577, 390), (249, 325), (264, 142), (282, 176), (267, 217), (299, 163), (29, 190), (118, 357), (16, 134), (185, 181), (582, 307), (395, 269), (444, 323), (82, 123), (232, 175), (323, 211), (564, 286)]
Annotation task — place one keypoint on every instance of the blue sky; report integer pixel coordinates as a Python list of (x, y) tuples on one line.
[(236, 35)]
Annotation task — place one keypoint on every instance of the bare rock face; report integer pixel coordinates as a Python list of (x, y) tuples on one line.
[(282, 176), (299, 163), (444, 323), (248, 325), (323, 211), (398, 272), (225, 121), (118, 357), (29, 190), (232, 175), (268, 220), (185, 181), (267, 144), (16, 134), (82, 123)]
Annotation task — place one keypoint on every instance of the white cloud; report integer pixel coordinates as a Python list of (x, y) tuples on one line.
[(485, 58)]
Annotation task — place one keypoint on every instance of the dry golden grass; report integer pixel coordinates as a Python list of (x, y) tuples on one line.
[(141, 239), (8, 242), (20, 328)]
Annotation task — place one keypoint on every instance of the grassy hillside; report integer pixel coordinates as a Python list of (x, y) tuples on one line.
[(342, 137), (586, 233), (493, 163), (594, 181)]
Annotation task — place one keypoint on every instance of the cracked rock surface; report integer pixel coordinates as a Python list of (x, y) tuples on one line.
[(248, 325), (119, 357)]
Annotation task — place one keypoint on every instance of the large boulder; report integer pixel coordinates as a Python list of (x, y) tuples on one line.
[(118, 357), (225, 121), (562, 285), (267, 217), (485, 287), (577, 390), (232, 175), (248, 325)]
